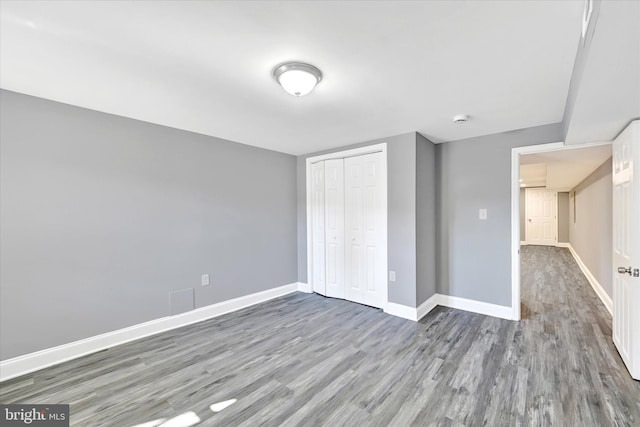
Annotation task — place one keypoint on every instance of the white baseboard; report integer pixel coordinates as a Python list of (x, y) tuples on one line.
[(597, 287), (424, 308), (304, 287), (501, 311), (400, 310), (563, 245), (31, 362), (523, 243), (411, 313), (415, 314)]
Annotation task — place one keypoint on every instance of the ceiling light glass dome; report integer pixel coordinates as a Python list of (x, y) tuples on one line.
[(297, 78)]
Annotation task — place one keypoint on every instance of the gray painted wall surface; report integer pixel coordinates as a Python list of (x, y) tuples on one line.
[(401, 217), (563, 217), (474, 256), (425, 219), (590, 234), (103, 216)]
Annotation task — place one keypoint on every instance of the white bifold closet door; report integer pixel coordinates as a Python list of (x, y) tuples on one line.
[(318, 227), (365, 230), (334, 226), (348, 215)]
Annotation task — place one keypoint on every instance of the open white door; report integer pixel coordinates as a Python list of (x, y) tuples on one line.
[(626, 247), (541, 213)]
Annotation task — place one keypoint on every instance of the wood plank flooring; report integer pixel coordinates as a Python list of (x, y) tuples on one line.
[(305, 360)]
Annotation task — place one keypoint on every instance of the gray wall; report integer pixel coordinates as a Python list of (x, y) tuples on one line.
[(563, 217), (474, 256), (401, 206), (425, 219), (590, 230), (103, 216)]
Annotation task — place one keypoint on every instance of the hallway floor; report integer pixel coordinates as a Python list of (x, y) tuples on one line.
[(308, 360)]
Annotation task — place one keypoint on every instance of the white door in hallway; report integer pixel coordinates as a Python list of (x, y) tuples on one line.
[(626, 246), (334, 226), (541, 215), (365, 229), (317, 228)]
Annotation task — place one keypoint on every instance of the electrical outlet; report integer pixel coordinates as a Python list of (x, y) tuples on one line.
[(205, 280), (392, 276), (482, 214)]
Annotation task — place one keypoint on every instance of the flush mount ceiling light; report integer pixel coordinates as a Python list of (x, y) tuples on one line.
[(297, 78)]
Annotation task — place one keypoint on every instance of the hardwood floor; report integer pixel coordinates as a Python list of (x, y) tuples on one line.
[(308, 360)]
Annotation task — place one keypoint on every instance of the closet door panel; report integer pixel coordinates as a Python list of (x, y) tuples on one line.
[(355, 279), (318, 228), (375, 233), (334, 227)]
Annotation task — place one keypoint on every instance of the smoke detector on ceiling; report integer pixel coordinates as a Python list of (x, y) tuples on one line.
[(461, 118)]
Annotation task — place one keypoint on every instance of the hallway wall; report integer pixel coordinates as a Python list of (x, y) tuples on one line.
[(590, 224), (563, 217)]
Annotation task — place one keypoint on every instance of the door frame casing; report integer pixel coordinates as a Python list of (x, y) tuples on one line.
[(515, 209), (359, 151)]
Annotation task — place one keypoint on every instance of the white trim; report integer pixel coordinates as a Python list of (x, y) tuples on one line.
[(359, 151), (515, 210), (523, 243), (415, 314), (400, 310), (424, 308), (501, 311), (410, 313), (563, 245), (304, 287), (597, 287), (31, 362)]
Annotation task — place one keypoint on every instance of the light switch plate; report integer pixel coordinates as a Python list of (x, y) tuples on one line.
[(482, 214), (392, 276), (205, 280)]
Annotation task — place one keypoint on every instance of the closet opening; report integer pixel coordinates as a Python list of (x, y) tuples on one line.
[(347, 225)]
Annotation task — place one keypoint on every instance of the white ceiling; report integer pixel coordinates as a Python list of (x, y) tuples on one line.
[(533, 175), (562, 170), (609, 93), (389, 67)]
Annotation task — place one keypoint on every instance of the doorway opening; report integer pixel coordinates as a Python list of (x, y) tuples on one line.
[(546, 203)]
